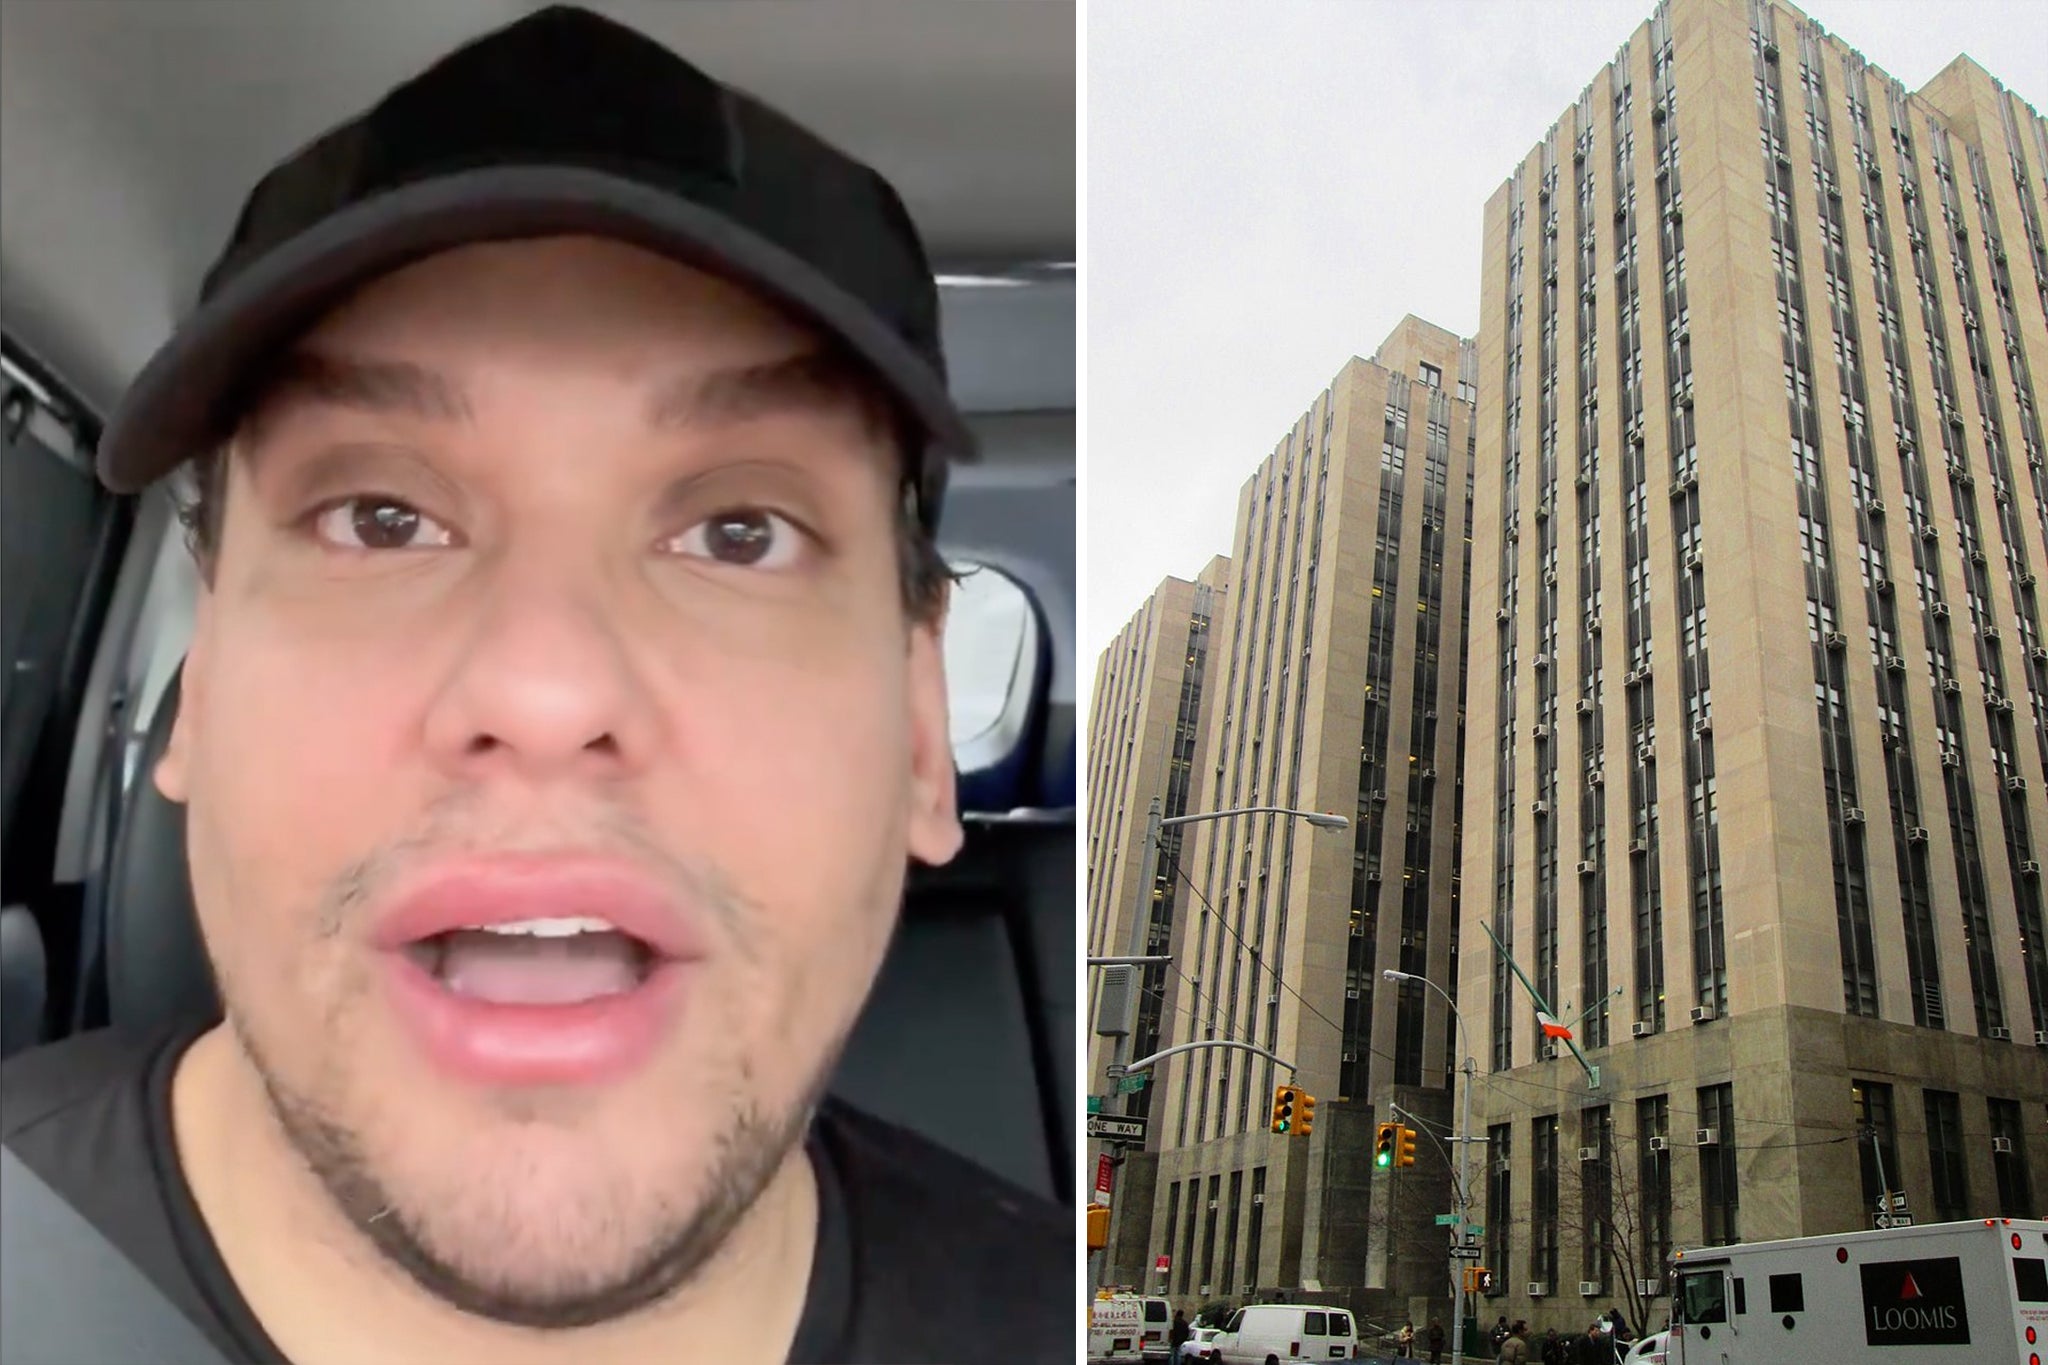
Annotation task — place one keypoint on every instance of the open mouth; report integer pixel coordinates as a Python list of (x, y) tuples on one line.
[(559, 961)]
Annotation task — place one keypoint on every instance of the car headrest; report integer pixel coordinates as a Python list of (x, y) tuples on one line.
[(157, 972)]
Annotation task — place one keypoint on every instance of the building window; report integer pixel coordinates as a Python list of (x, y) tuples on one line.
[(1876, 1142), (1187, 1244), (1209, 1235), (1945, 1155), (1172, 1219), (1258, 1220), (1431, 375), (1653, 1177), (1500, 1153), (1595, 1232), (1718, 1194), (1226, 1278), (2009, 1160), (1543, 1206)]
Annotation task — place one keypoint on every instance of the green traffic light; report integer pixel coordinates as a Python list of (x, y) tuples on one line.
[(1383, 1159)]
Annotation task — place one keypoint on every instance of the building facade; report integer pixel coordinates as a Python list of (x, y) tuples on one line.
[(1759, 711), (1337, 677)]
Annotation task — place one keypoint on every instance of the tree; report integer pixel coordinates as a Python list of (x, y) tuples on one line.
[(1617, 1217)]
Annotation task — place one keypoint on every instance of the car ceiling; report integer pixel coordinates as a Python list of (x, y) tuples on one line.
[(131, 129)]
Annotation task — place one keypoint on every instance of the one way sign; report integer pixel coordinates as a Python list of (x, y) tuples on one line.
[(1116, 1127)]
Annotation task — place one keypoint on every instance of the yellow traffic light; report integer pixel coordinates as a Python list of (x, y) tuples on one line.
[(1305, 1115), (1098, 1226), (1383, 1145), (1405, 1154), (1284, 1098)]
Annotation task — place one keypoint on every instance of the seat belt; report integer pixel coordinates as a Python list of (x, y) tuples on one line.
[(66, 1294)]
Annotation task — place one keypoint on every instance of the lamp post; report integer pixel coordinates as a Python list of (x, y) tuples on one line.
[(1464, 1155), (1141, 922)]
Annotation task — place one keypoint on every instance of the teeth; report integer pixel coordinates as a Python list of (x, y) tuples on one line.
[(548, 928)]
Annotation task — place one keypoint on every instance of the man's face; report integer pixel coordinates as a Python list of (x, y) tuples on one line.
[(554, 585)]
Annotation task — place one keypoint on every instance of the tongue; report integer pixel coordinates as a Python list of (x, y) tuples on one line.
[(524, 969)]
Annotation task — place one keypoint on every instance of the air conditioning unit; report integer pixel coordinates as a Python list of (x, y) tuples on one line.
[(1540, 806), (1428, 773), (1951, 758), (1916, 834), (1589, 1153), (2039, 654), (1639, 846), (1589, 1287), (1500, 613), (1834, 639), (1896, 663), (1992, 633), (1587, 867), (1638, 675), (1549, 1052), (1930, 533), (1999, 1033), (1542, 661), (1960, 472), (1875, 507), (1584, 480), (1646, 751), (1585, 706), (1852, 815), (2002, 1146), (1881, 586), (1659, 1144), (2025, 578), (1550, 578), (1951, 686), (1939, 611), (1684, 484), (2030, 867), (1415, 827), (1537, 1289), (1596, 777), (2015, 784), (1706, 1137), (1641, 1028), (1703, 726), (1593, 624), (1703, 1014), (1693, 562), (1540, 730), (2000, 703), (2041, 1037), (1543, 510), (1501, 1166)]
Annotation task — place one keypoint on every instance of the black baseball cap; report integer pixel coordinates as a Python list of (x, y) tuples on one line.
[(563, 122)]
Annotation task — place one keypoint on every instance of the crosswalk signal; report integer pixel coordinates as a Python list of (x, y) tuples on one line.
[(1383, 1145), (1098, 1226), (1478, 1280), (1404, 1155), (1284, 1099), (1305, 1115)]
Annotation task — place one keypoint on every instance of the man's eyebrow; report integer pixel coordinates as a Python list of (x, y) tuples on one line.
[(814, 382), (397, 387)]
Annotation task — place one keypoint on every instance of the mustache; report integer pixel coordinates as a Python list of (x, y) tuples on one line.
[(469, 824)]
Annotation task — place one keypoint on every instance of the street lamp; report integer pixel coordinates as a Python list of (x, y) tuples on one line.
[(1141, 917), (1464, 1150)]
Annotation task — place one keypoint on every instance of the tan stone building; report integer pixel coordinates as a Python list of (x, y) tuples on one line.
[(1759, 703), (1336, 680), (1144, 733)]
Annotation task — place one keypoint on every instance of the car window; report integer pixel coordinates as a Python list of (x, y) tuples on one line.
[(1236, 1321), (1155, 1310), (50, 510), (1340, 1324), (992, 665), (1315, 1324), (1703, 1297)]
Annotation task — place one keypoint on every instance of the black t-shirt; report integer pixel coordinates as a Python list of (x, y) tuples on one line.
[(922, 1256)]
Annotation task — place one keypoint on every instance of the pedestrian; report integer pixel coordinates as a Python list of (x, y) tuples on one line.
[(1407, 1341), (1514, 1349), (1553, 1348), (1436, 1342), (1499, 1333), (1178, 1335)]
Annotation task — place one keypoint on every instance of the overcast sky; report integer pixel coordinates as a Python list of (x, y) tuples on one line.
[(1271, 186)]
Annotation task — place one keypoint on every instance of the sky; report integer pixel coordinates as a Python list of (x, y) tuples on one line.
[(1272, 186)]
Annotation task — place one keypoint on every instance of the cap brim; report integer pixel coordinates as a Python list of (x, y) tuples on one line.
[(175, 407)]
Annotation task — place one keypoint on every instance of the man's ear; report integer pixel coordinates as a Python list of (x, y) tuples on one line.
[(173, 768), (934, 824)]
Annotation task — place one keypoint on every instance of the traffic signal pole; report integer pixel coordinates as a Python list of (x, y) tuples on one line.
[(1141, 925)]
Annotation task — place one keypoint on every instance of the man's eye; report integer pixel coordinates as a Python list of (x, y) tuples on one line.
[(745, 537), (378, 523)]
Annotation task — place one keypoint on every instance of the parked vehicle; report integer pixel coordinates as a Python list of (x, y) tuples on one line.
[(1971, 1291), (1291, 1331)]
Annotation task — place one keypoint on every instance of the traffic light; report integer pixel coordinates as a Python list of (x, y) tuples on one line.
[(1478, 1280), (1305, 1115), (1404, 1155), (1098, 1226), (1383, 1145), (1284, 1098)]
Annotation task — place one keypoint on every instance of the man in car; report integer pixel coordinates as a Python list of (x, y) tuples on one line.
[(563, 709)]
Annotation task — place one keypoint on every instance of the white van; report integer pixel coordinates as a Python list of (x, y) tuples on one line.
[(1291, 1331), (1127, 1327)]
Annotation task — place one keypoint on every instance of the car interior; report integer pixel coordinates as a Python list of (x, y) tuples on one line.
[(130, 131)]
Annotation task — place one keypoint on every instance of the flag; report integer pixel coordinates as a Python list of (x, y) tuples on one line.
[(1551, 1028)]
